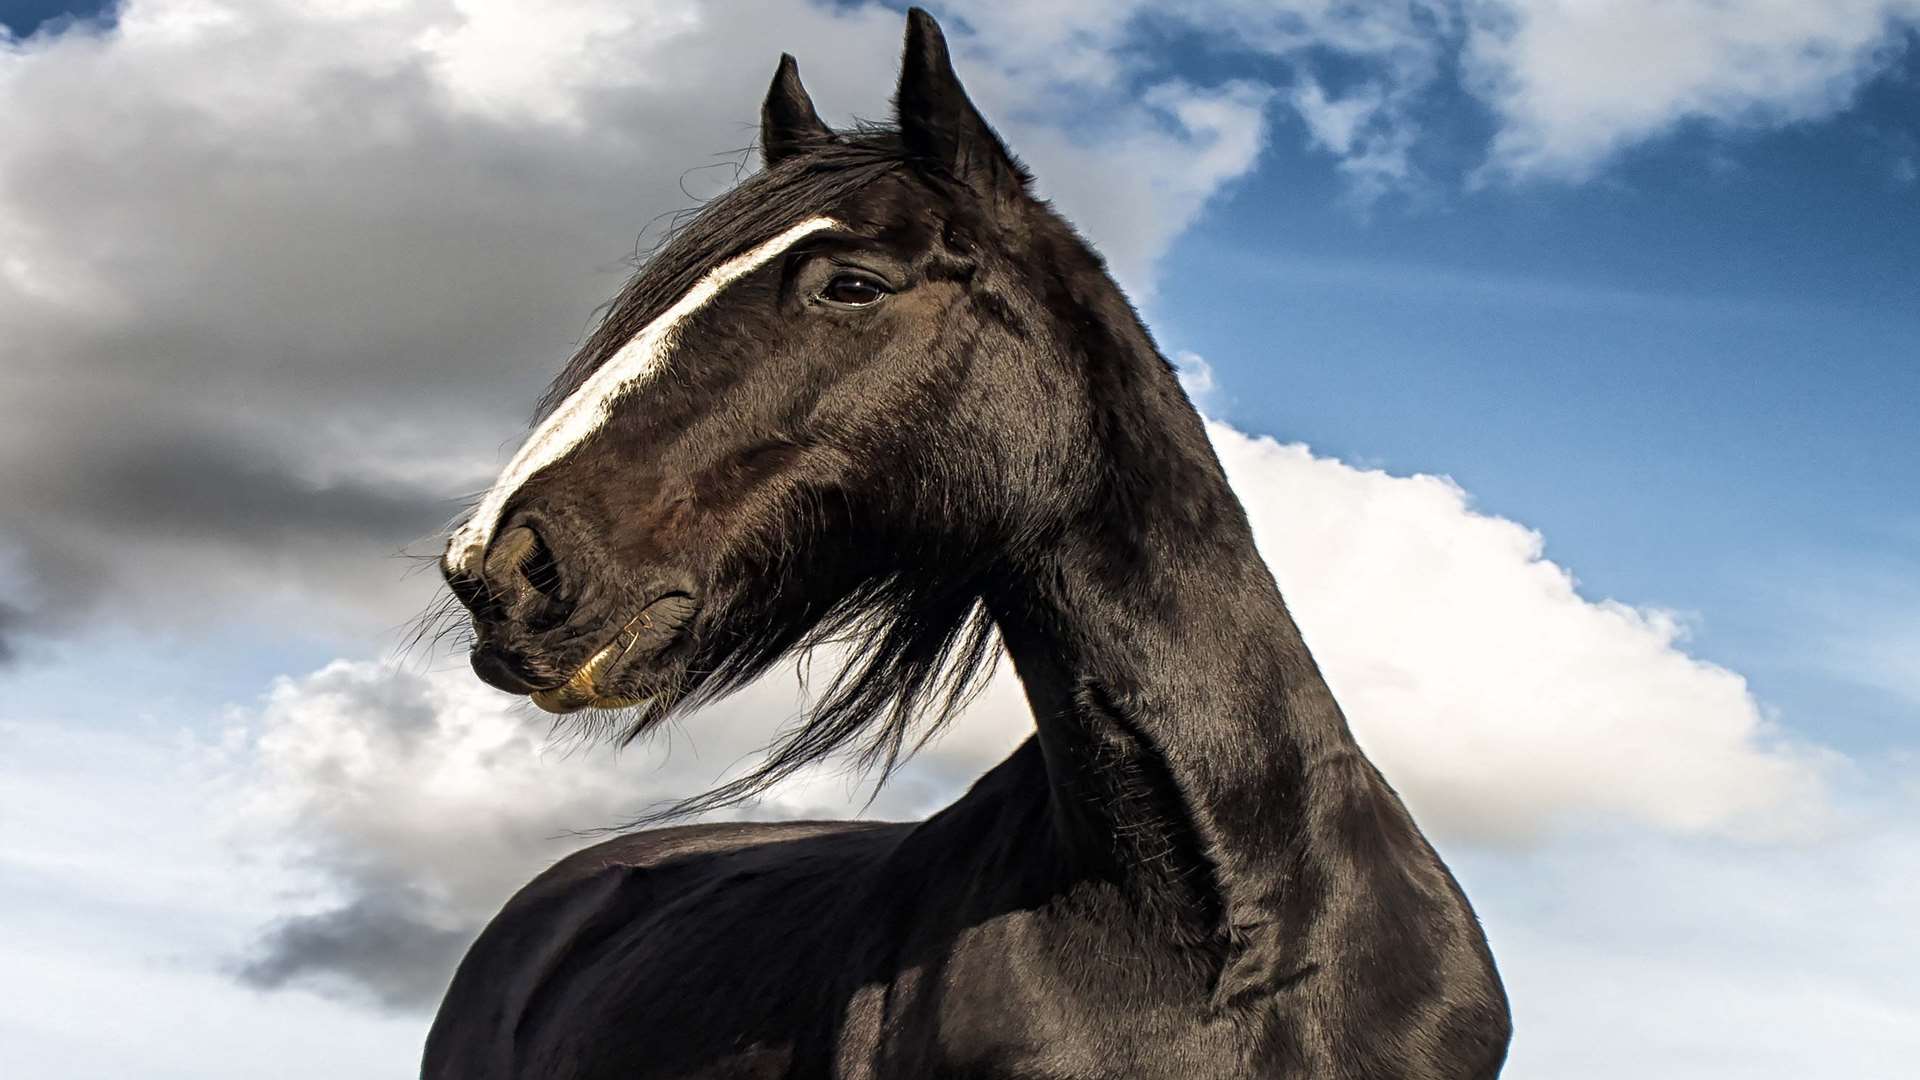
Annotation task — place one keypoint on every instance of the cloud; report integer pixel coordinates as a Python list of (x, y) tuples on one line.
[(1368, 130), (1507, 708), (12, 621), (418, 801), (280, 281), (1573, 84), (1501, 702), (1568, 86), (1196, 378), (377, 944)]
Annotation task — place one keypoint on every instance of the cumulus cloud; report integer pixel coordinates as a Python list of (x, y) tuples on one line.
[(416, 801), (279, 281), (1497, 698), (123, 891), (1504, 705)]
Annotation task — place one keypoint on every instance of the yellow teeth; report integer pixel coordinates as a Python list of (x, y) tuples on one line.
[(579, 691)]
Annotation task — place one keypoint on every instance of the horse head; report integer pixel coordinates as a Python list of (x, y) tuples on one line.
[(837, 404)]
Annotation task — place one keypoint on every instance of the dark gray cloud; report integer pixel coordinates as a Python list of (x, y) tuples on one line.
[(380, 947), (170, 525), (193, 486), (12, 622)]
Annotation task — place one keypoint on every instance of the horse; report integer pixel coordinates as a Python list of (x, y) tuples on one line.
[(881, 394)]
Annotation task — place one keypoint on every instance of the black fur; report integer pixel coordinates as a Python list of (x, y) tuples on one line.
[(1190, 871)]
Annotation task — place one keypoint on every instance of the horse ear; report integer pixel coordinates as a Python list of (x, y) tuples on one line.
[(788, 123), (939, 124)]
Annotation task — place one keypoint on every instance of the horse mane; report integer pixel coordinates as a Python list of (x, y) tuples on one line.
[(916, 655), (919, 646)]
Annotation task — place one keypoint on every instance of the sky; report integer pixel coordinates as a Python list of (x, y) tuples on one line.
[(1563, 354)]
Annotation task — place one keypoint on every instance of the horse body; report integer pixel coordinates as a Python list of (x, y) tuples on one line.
[(929, 415), (866, 951)]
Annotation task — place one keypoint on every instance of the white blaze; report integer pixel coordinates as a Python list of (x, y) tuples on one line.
[(586, 409)]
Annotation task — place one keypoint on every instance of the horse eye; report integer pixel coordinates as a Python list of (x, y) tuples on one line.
[(853, 290)]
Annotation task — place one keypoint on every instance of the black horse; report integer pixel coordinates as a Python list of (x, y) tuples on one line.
[(879, 392)]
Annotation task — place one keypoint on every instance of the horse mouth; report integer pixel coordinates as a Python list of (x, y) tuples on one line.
[(588, 687)]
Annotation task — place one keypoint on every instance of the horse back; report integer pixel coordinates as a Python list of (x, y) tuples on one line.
[(613, 952)]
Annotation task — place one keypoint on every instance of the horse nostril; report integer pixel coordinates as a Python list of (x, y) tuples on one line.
[(521, 576), (540, 571), (502, 569)]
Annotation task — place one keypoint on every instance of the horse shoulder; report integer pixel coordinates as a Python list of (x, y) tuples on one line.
[(556, 922)]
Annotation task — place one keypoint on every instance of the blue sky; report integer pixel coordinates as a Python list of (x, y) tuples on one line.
[(23, 17), (280, 281)]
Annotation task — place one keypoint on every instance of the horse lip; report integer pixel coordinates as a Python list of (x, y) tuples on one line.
[(581, 689)]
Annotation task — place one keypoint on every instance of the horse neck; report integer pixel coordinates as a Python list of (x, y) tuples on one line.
[(1180, 713)]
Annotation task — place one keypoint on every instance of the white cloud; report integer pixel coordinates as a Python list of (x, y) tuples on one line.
[(1335, 124), (1196, 378), (514, 60), (1498, 699), (1572, 83)]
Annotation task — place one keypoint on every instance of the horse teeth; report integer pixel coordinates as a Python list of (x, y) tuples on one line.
[(579, 690)]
